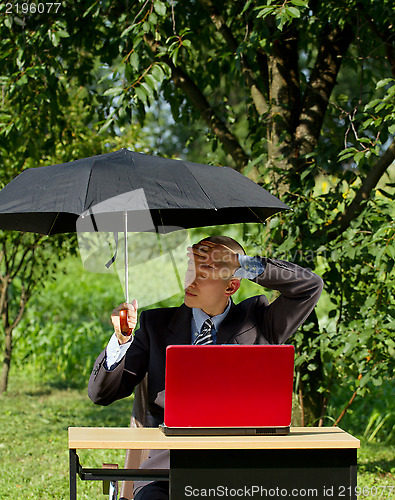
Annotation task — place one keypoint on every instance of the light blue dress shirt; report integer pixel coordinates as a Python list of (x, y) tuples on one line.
[(199, 317)]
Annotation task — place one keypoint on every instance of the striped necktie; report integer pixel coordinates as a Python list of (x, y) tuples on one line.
[(205, 337)]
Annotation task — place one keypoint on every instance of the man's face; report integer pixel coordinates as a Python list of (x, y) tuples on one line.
[(208, 283)]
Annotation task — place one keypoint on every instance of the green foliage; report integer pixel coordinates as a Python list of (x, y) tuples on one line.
[(372, 126), (67, 324), (284, 13), (351, 348)]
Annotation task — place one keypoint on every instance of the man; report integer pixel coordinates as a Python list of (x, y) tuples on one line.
[(208, 316)]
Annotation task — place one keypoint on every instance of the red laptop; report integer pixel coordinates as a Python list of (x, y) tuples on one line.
[(228, 389)]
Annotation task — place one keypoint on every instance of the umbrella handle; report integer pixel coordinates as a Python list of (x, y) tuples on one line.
[(123, 320)]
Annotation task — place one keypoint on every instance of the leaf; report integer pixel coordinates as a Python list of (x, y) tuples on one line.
[(141, 95), (153, 18), (158, 73), (377, 381), (345, 156), (383, 83), (386, 194), (265, 11), (174, 55), (379, 107), (293, 11), (160, 8), (367, 123), (134, 60), (371, 104), (390, 251), (364, 380), (54, 38), (246, 6), (90, 9), (358, 157), (126, 31), (129, 74), (113, 91), (8, 21), (63, 34), (148, 89), (300, 3), (151, 82), (106, 124)]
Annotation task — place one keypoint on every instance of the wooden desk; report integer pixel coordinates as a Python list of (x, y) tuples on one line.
[(314, 462)]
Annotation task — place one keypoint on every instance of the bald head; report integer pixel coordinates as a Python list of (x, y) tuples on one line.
[(227, 242)]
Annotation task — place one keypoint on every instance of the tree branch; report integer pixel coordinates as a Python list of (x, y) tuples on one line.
[(356, 206), (334, 44), (16, 268), (346, 408), (22, 306), (192, 91), (4, 289), (258, 97)]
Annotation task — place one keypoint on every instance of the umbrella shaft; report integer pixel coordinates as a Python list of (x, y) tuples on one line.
[(125, 219)]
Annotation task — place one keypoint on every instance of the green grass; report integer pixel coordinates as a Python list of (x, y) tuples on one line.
[(376, 471), (34, 418)]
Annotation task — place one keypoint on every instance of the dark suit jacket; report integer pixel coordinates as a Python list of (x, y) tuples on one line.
[(253, 321)]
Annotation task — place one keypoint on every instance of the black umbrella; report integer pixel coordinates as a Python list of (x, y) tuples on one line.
[(49, 200), (131, 192)]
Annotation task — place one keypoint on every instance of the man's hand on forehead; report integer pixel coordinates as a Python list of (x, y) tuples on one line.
[(214, 259)]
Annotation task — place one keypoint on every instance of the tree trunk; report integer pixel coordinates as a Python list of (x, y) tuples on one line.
[(284, 108), (7, 359)]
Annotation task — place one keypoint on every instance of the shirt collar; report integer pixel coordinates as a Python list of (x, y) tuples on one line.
[(200, 317)]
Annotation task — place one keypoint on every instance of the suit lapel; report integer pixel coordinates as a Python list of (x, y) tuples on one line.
[(233, 326), (180, 327)]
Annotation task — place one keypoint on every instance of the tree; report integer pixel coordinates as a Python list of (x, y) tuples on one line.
[(270, 68), (28, 260), (281, 88)]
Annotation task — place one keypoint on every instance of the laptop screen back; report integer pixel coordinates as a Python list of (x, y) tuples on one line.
[(229, 386)]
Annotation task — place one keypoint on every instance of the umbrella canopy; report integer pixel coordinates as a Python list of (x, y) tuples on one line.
[(50, 200)]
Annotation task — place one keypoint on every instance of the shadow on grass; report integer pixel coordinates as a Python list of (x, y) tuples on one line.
[(115, 415), (378, 466)]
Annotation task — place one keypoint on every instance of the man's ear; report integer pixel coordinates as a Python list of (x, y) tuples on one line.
[(233, 286)]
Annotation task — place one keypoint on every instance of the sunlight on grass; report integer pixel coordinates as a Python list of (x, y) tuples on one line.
[(33, 440)]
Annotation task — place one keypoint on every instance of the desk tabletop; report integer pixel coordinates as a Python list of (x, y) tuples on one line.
[(153, 438)]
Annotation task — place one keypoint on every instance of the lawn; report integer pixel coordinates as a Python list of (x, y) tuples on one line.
[(34, 418)]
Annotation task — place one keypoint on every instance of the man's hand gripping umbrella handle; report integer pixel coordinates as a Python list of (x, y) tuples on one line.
[(124, 320)]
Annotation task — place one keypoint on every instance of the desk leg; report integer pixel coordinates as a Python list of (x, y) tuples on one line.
[(73, 462)]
